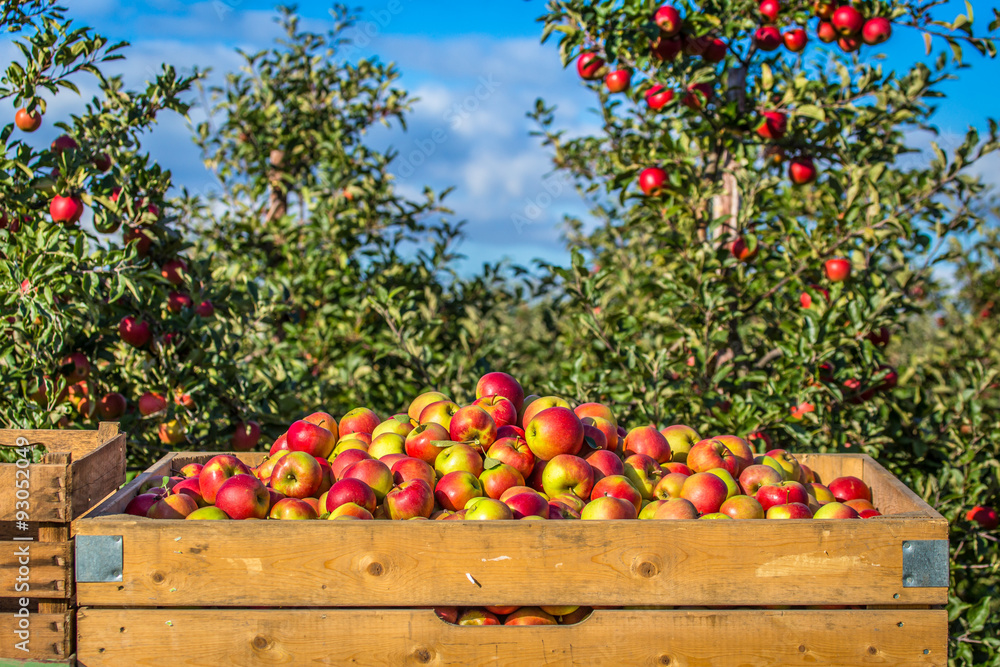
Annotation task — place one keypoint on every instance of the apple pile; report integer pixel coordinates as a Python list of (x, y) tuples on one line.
[(502, 457), (541, 615)]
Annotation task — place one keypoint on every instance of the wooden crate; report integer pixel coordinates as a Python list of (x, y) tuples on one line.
[(79, 469), (204, 592)]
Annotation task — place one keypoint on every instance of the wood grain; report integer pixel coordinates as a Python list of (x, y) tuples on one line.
[(890, 495), (50, 637), (50, 569), (421, 563), (48, 492), (679, 638), (96, 473)]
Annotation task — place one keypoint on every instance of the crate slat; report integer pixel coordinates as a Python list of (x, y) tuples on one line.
[(50, 565), (51, 635)]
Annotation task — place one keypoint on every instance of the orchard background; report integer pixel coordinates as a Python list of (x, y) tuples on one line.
[(721, 176)]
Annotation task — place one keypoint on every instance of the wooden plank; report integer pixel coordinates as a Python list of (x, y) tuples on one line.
[(117, 503), (50, 637), (55, 440), (425, 563), (97, 473), (830, 466), (49, 569), (744, 638), (47, 492), (890, 495)]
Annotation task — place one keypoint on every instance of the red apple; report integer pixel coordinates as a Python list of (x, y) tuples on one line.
[(773, 125), (135, 333), (669, 20), (666, 49), (781, 493), (755, 476), (510, 431), (605, 463), (837, 269), (617, 486), (768, 38), (705, 491), (501, 384), (835, 510), (514, 452), (266, 467), (527, 503), (455, 489), (358, 420), (713, 453), (715, 50), (112, 406), (246, 435), (410, 499), (826, 32), (406, 468), (698, 94), (297, 475), (644, 473), (609, 508), (669, 486), (191, 487), (422, 401), (740, 449), (742, 507), (848, 21), (658, 97), (150, 403), (139, 505), (986, 517), (477, 617), (174, 271), (458, 456), (595, 410), (647, 440), (323, 420), (589, 66), (350, 490), (500, 409), (242, 497), (673, 466), (849, 488), (789, 511), (289, 509), (350, 511), (652, 180), (537, 405), (440, 412), (176, 506), (420, 441), (676, 508), (499, 477), (306, 437), (769, 9), (568, 474), (473, 425), (373, 473), (27, 121), (802, 171), (345, 460), (191, 470), (618, 81), (66, 210), (876, 30), (553, 432), (607, 428)]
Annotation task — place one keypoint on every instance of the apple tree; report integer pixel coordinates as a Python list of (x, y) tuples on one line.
[(104, 316), (763, 241)]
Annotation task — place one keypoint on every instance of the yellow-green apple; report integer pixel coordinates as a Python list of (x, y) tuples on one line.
[(781, 493), (422, 401), (420, 442), (216, 472), (385, 444), (407, 468), (849, 488), (681, 439), (648, 510), (350, 491), (500, 409), (553, 432), (558, 610), (345, 460), (477, 617), (498, 477), (273, 497), (373, 473), (457, 488), (756, 476), (487, 509), (440, 412), (568, 474), (400, 424), (324, 420), (209, 512), (292, 509), (716, 515), (731, 484), (789, 511), (647, 440), (350, 510), (676, 508), (297, 475), (540, 405), (607, 428), (410, 499), (307, 437), (561, 510), (595, 410), (243, 497), (358, 420), (674, 466), (527, 503), (819, 492), (609, 507), (835, 510), (759, 440), (740, 449), (190, 486), (501, 384), (787, 462), (139, 505), (706, 491), (514, 452), (644, 473), (742, 507), (530, 616), (605, 463), (279, 445), (618, 486), (509, 431), (458, 456), (867, 514), (669, 486), (857, 504), (191, 470), (577, 616), (711, 453), (176, 506), (350, 442), (474, 426)]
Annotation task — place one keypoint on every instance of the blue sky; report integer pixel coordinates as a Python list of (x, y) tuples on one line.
[(477, 68)]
